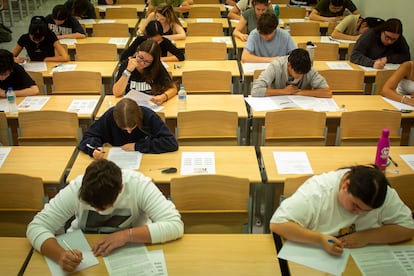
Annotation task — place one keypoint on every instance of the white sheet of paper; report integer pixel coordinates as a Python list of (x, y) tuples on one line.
[(158, 261), (87, 21), (118, 40), (4, 152), (64, 67), (314, 257), (251, 67), (35, 66), (130, 260), (398, 105), (33, 102), (409, 159), (384, 259), (198, 163), (297, 20), (104, 7), (339, 65), (68, 41), (292, 162), (82, 106), (388, 66), (125, 159), (206, 20), (261, 103), (314, 103), (222, 39), (4, 105), (329, 39), (76, 240), (105, 21), (143, 99)]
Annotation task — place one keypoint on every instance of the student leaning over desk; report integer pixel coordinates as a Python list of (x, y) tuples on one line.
[(353, 25), (131, 127), (400, 86), (63, 24), (291, 75), (122, 203), (145, 73), (13, 75), (332, 10), (347, 208)]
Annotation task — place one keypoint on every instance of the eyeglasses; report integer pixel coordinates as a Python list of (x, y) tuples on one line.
[(389, 38), (142, 59)]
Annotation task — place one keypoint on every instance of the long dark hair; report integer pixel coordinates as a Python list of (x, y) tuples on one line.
[(38, 27), (392, 25), (151, 47)]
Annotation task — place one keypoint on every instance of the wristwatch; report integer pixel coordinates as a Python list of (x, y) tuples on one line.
[(126, 73)]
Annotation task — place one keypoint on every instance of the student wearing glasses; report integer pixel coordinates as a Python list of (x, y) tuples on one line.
[(332, 10), (145, 73), (347, 208), (381, 45)]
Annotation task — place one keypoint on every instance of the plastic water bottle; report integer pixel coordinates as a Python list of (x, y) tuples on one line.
[(182, 99), (277, 10), (383, 149), (310, 47), (11, 98)]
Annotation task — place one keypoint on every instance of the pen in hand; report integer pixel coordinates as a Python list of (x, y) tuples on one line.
[(70, 248), (94, 148)]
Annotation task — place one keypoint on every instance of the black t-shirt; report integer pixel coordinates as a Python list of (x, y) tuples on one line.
[(38, 52), (18, 79), (70, 26)]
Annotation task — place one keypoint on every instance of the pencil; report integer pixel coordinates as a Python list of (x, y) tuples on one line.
[(68, 246)]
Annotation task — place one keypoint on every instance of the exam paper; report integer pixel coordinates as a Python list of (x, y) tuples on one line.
[(125, 159), (35, 66), (388, 66), (76, 240), (87, 21), (339, 65), (221, 39), (205, 20), (292, 162), (398, 105), (143, 99), (314, 257), (33, 102), (68, 41), (122, 41), (4, 105), (384, 259), (158, 260), (105, 21), (82, 106), (4, 152), (251, 67), (64, 67), (198, 163), (130, 260), (409, 159)]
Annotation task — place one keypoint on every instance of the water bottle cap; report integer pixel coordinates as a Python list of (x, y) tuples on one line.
[(181, 86), (385, 132)]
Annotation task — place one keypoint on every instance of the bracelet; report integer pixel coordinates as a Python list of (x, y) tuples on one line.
[(130, 234), (166, 96), (402, 99), (126, 73)]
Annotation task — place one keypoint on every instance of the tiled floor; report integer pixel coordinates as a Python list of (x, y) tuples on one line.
[(22, 26)]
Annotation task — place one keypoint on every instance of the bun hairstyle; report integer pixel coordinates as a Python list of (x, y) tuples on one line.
[(373, 22), (38, 27)]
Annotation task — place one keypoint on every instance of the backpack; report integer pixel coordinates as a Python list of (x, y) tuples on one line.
[(5, 34)]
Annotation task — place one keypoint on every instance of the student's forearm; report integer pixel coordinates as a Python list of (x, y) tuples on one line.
[(169, 58), (253, 58), (73, 35), (320, 93), (176, 36), (275, 92), (33, 90), (386, 234), (171, 92), (294, 232), (51, 249), (119, 87), (57, 58), (338, 35), (317, 17)]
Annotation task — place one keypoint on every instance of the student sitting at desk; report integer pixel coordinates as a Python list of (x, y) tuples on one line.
[(267, 42), (41, 44), (13, 75), (381, 45), (145, 73), (346, 208), (248, 20), (63, 24), (179, 6), (153, 31), (291, 75), (352, 26), (238, 8), (400, 86), (81, 9), (124, 204), (332, 10), (131, 127)]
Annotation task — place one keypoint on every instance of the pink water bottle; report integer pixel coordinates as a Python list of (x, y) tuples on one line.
[(383, 148)]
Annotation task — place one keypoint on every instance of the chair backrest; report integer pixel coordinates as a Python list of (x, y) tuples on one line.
[(211, 203), (323, 51), (290, 185), (21, 197), (363, 128), (344, 81), (403, 184), (121, 13), (4, 130), (304, 28), (204, 12), (256, 73), (38, 78), (331, 27), (350, 49), (96, 52), (38, 128), (294, 127), (204, 29), (111, 30), (77, 82), (380, 78), (292, 12), (205, 51), (207, 81), (207, 127)]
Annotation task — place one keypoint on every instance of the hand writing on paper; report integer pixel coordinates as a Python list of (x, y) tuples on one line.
[(332, 245), (98, 153), (69, 260), (129, 147), (380, 63), (353, 240), (110, 242)]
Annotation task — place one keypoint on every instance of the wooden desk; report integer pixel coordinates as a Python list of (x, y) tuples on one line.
[(180, 44), (107, 69), (13, 254), (202, 254), (139, 7), (185, 21), (48, 163), (222, 7), (132, 24)]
